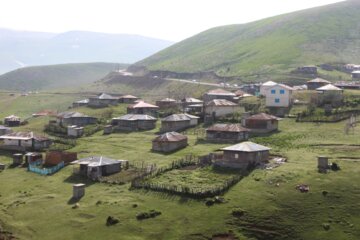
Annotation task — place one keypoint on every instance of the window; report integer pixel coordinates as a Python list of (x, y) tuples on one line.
[(273, 91), (282, 91), (236, 155), (277, 100)]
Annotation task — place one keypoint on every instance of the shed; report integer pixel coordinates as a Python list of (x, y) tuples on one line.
[(80, 103), (12, 121), (329, 94), (177, 122), (355, 75), (134, 122), (261, 123), (143, 108), (227, 133), (169, 142), (98, 166), (75, 131), (243, 156)]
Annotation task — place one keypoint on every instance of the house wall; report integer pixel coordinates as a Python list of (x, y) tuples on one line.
[(165, 105), (263, 89), (242, 160), (23, 143), (126, 125), (315, 85), (169, 146), (147, 111), (40, 145), (5, 131), (218, 136), (208, 98), (261, 126), (95, 102), (79, 121), (11, 123), (274, 97), (221, 111), (356, 75), (169, 126), (194, 121), (111, 169)]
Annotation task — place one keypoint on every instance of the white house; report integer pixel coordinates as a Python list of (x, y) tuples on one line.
[(279, 95), (265, 86), (27, 140), (221, 107)]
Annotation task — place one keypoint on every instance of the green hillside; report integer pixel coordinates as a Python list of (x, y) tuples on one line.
[(55, 76), (319, 35)]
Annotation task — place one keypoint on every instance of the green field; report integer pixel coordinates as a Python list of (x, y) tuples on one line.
[(39, 207)]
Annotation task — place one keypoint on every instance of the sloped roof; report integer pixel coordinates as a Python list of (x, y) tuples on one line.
[(221, 102), (220, 91), (239, 93), (262, 116), (221, 127), (356, 72), (136, 117), (106, 96), (129, 96), (167, 100), (4, 127), (72, 115), (246, 147), (318, 80), (269, 83), (170, 137), (179, 117), (191, 100), (12, 118), (97, 161), (282, 86), (83, 101), (24, 136), (329, 87), (142, 104)]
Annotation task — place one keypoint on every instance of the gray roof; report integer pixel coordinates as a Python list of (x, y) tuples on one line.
[(191, 100), (72, 115), (179, 117), (97, 161), (246, 147), (135, 117), (221, 102), (170, 137), (106, 96), (83, 101), (329, 87)]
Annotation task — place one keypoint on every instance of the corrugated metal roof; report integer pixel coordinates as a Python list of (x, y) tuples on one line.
[(107, 96), (167, 100), (246, 147), (221, 102), (269, 83), (24, 136), (329, 87), (282, 86), (135, 117), (97, 161), (319, 80), (262, 116), (142, 105), (12, 118), (72, 115), (83, 101), (129, 96), (179, 117), (221, 127), (220, 91), (170, 137), (191, 100)]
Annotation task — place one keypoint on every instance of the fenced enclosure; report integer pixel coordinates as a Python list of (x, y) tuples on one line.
[(35, 167)]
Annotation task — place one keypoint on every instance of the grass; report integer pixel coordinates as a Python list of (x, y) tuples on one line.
[(273, 208)]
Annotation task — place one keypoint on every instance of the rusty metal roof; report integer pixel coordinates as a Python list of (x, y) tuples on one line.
[(221, 127), (262, 116), (246, 147), (142, 104), (170, 137), (221, 102), (179, 117), (191, 100)]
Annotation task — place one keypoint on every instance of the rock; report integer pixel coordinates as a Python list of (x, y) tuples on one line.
[(326, 226), (145, 215), (111, 221), (77, 205)]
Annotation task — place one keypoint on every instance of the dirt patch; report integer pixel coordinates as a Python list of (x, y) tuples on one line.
[(223, 236)]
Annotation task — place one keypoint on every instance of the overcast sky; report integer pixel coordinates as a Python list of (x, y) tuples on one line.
[(166, 19)]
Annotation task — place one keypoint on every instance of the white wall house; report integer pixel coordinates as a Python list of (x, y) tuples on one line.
[(279, 95), (265, 86)]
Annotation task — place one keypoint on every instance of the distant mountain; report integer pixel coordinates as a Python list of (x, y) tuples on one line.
[(21, 48), (56, 76), (319, 35)]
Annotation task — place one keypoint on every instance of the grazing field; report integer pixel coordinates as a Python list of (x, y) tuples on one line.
[(263, 205)]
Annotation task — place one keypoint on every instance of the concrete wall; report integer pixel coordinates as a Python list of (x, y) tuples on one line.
[(221, 111), (174, 126), (218, 136), (242, 160), (169, 146), (285, 99)]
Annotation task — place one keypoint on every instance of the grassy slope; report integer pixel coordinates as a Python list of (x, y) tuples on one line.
[(55, 76), (279, 210), (314, 36)]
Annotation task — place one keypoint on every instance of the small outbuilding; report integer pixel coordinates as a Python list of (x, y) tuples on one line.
[(169, 142), (80, 103), (53, 158), (329, 94), (243, 156), (75, 131), (103, 100), (143, 108), (261, 123), (12, 121), (355, 75), (134, 122), (177, 122), (227, 133)]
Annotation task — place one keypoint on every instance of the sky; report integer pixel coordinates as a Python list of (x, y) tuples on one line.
[(172, 20)]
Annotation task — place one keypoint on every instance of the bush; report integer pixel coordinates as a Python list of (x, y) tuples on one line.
[(147, 215)]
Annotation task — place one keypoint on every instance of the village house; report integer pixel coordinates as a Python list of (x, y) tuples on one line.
[(221, 108), (75, 131), (261, 123), (265, 86), (80, 103), (351, 67), (242, 94), (192, 105), (219, 94), (97, 166), (355, 75), (5, 130), (167, 103), (317, 83), (307, 69), (245, 156), (134, 122), (279, 99), (103, 100), (329, 94), (24, 141), (169, 142), (227, 133), (12, 121), (178, 122), (74, 118), (143, 108), (190, 101), (128, 99), (53, 158)]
